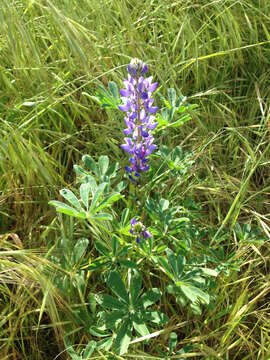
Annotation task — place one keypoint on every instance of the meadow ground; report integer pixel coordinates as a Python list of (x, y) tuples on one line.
[(54, 53)]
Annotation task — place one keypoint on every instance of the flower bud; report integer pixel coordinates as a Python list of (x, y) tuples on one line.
[(137, 68)]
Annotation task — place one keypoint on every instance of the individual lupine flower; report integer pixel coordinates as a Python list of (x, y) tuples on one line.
[(138, 229), (139, 119)]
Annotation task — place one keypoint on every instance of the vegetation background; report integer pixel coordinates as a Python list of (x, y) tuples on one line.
[(53, 53)]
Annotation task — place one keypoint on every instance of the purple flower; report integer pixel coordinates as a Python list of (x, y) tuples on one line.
[(139, 119), (138, 229)]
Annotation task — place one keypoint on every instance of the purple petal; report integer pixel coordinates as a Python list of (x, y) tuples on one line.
[(124, 92), (153, 87), (147, 234), (144, 133), (128, 169), (150, 149), (144, 69), (152, 126), (124, 107), (127, 131), (152, 110), (144, 96), (127, 148), (137, 239), (145, 168), (132, 160), (133, 221)]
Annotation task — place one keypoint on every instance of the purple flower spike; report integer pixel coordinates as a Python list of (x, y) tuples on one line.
[(138, 229), (139, 109)]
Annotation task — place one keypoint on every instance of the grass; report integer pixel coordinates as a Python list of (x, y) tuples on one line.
[(52, 52)]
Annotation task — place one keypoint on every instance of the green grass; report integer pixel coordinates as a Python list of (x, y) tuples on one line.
[(216, 53)]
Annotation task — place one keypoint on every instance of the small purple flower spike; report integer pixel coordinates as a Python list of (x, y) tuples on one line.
[(140, 121), (138, 229)]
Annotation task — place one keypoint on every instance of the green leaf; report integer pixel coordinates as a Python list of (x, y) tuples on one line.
[(99, 331), (97, 195), (210, 272), (114, 245), (90, 163), (124, 217), (164, 205), (95, 265), (121, 186), (135, 285), (102, 249), (155, 317), (180, 100), (92, 302), (80, 170), (172, 261), (172, 289), (71, 351), (112, 169), (109, 302), (93, 184), (117, 286), (181, 261), (66, 209), (102, 216), (90, 348), (105, 344), (114, 318), (195, 308), (70, 197), (79, 249), (165, 267), (140, 327), (103, 164), (108, 201), (123, 337), (150, 297), (114, 90), (171, 96), (195, 294), (127, 263), (172, 341), (182, 300), (84, 193)]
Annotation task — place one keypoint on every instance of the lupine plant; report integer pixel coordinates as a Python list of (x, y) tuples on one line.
[(141, 232)]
